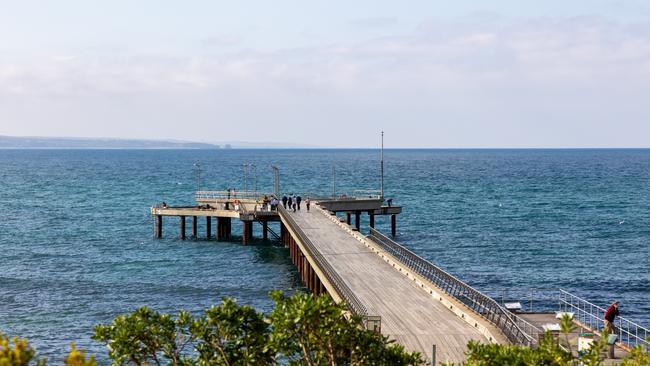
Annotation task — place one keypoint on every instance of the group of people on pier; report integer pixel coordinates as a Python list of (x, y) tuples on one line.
[(294, 201), (288, 202)]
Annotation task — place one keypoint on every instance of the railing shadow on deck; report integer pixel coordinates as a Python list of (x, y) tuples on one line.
[(485, 306)]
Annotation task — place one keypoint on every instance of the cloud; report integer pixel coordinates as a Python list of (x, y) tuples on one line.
[(373, 23), (222, 41), (532, 73)]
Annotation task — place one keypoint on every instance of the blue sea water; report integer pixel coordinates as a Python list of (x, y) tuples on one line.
[(76, 243)]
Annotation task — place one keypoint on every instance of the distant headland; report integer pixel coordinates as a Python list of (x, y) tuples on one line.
[(15, 142), (38, 142)]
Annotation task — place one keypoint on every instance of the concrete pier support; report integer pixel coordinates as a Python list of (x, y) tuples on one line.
[(283, 235), (182, 229), (371, 217), (223, 228), (194, 226), (248, 232), (208, 227), (227, 228), (393, 224), (159, 224), (348, 218), (357, 219)]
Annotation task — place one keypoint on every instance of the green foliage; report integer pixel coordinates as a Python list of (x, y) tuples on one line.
[(16, 352), (311, 330), (230, 334), (548, 353), (78, 358), (301, 330), (145, 337), (639, 356)]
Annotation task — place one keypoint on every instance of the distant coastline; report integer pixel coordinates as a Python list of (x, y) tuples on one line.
[(39, 142), (28, 142)]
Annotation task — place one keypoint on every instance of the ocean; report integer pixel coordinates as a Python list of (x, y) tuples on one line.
[(77, 246)]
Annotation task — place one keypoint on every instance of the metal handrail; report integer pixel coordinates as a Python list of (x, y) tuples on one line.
[(354, 304), (483, 305), (233, 195), (592, 317), (531, 299)]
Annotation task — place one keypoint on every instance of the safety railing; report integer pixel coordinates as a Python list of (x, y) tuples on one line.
[(530, 299), (230, 195), (367, 193), (592, 316), (483, 305), (354, 304)]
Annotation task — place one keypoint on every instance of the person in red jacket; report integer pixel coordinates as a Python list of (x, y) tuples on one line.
[(610, 315)]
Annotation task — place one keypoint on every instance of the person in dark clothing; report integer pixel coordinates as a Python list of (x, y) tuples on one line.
[(308, 202), (290, 201), (298, 199), (284, 201), (610, 315), (294, 206)]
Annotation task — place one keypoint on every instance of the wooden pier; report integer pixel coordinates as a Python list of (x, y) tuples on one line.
[(396, 292)]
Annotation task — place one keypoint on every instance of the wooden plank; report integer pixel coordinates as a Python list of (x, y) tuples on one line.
[(409, 315)]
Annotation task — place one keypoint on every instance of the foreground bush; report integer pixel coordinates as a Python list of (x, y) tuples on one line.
[(301, 330)]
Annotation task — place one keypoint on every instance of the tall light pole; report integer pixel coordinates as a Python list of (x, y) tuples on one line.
[(198, 176), (254, 178), (333, 181), (245, 177), (382, 165), (276, 176)]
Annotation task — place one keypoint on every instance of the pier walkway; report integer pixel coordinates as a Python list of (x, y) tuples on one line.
[(409, 313)]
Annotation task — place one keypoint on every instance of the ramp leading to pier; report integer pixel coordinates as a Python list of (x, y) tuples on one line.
[(410, 314)]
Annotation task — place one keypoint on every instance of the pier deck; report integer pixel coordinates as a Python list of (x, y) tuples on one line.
[(408, 313)]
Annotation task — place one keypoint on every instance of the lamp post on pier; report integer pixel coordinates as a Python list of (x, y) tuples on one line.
[(245, 178), (333, 181), (198, 176), (382, 165), (276, 176), (254, 179)]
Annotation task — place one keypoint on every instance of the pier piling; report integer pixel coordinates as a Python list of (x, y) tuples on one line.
[(348, 218), (194, 227), (208, 227), (182, 229), (159, 223), (357, 219), (372, 219)]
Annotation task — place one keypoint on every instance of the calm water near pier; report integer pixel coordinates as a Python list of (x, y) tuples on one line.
[(76, 243)]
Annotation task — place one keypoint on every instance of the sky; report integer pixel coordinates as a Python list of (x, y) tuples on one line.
[(431, 74)]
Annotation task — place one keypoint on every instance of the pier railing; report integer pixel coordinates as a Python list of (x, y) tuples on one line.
[(354, 304), (484, 305), (592, 316), (230, 195), (530, 299)]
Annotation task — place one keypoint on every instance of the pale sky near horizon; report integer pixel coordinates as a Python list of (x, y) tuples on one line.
[(500, 73)]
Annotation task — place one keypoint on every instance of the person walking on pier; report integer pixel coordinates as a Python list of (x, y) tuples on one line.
[(298, 199), (284, 201), (307, 202), (290, 201), (610, 315), (274, 204)]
